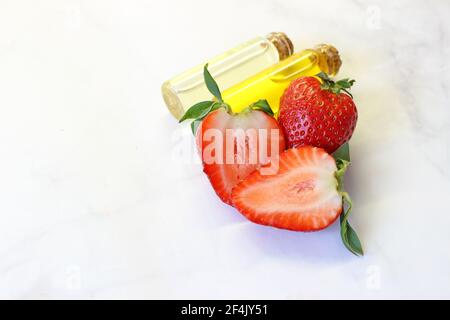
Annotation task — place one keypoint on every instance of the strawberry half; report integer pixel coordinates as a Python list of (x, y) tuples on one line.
[(302, 196), (245, 158), (233, 145)]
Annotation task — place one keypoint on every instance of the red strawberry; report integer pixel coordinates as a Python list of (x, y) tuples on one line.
[(318, 114), (233, 145), (302, 196), (212, 139)]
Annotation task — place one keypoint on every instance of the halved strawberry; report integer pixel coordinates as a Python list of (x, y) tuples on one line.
[(302, 196), (225, 165), (233, 145)]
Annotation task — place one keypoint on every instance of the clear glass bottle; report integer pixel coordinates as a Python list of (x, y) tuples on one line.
[(229, 68), (270, 83)]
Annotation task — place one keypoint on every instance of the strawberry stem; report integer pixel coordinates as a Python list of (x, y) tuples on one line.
[(336, 86), (348, 234), (201, 109)]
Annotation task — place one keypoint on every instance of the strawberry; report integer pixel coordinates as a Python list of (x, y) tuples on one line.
[(233, 145), (302, 196), (318, 114), (306, 194), (223, 174)]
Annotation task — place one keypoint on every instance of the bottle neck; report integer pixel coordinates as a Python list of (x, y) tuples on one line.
[(329, 59), (282, 43)]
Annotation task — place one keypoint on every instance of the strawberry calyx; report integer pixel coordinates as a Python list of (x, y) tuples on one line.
[(201, 109), (335, 86), (348, 234)]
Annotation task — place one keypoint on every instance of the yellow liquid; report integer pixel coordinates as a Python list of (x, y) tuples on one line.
[(271, 83)]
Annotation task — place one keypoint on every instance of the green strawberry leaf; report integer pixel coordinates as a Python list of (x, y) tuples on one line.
[(343, 152), (335, 86), (345, 83), (198, 110), (348, 234), (201, 109), (352, 242), (197, 120), (322, 75), (211, 84), (262, 105), (194, 126)]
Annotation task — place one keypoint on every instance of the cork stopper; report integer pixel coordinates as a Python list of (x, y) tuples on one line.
[(282, 43), (330, 61)]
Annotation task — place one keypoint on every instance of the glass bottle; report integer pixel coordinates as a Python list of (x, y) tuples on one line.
[(270, 83), (229, 68)]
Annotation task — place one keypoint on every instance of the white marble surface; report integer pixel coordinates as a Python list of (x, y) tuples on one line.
[(95, 203)]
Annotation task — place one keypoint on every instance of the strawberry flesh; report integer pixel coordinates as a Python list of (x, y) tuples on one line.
[(301, 196), (223, 174)]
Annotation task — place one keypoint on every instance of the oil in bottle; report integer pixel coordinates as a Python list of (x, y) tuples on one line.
[(229, 68), (270, 83)]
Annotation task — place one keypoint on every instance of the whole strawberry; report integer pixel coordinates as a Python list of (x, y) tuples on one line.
[(318, 114)]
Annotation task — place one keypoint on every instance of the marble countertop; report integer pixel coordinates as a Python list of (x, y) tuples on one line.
[(96, 201)]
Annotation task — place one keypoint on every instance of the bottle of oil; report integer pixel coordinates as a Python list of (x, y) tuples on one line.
[(270, 83), (229, 68)]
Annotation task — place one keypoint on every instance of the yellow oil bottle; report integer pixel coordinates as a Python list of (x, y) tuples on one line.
[(270, 83), (229, 68)]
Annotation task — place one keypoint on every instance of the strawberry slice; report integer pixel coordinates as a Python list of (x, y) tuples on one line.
[(228, 160), (302, 196), (232, 145)]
